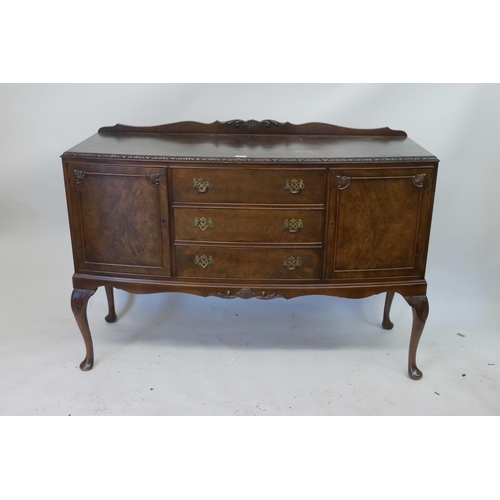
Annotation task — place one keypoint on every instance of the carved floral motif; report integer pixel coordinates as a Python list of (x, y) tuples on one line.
[(252, 125), (246, 293)]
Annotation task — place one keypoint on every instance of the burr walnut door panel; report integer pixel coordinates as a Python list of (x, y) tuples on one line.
[(379, 222), (120, 218)]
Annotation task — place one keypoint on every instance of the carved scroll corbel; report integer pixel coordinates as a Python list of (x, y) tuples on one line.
[(80, 176), (153, 179), (418, 180), (343, 182)]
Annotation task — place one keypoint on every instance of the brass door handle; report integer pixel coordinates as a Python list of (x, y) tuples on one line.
[(291, 263), (294, 186), (292, 225), (203, 261), (202, 185), (203, 223)]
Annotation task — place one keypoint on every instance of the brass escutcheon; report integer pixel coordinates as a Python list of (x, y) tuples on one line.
[(292, 225), (203, 261), (203, 223), (202, 185), (291, 263), (294, 186)]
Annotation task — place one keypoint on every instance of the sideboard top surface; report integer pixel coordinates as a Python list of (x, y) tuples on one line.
[(257, 142)]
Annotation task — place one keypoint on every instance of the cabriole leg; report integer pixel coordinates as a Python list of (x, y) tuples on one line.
[(79, 300), (420, 307), (111, 317), (386, 322)]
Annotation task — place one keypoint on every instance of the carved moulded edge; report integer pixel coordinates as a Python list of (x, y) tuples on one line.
[(246, 293), (231, 159)]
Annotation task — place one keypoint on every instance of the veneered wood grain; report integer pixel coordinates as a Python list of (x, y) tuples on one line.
[(378, 224), (248, 263), (249, 225), (121, 219), (252, 185)]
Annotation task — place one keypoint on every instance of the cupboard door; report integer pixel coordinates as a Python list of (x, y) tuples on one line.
[(379, 222), (120, 218)]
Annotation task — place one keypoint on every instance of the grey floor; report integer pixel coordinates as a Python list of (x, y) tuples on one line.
[(175, 354)]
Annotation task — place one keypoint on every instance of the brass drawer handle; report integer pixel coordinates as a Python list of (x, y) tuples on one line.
[(292, 225), (294, 186), (291, 263), (204, 261), (202, 185), (203, 223)]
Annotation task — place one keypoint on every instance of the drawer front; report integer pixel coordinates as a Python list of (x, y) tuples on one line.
[(248, 225), (260, 186), (248, 263)]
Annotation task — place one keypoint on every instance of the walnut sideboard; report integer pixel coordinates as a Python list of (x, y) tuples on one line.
[(250, 209)]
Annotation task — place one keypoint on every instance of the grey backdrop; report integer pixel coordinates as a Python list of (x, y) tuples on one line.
[(459, 123)]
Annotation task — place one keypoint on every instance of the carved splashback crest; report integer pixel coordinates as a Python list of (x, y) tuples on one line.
[(251, 126)]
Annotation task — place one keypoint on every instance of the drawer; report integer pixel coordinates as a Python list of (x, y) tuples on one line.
[(260, 186), (248, 263), (249, 225)]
